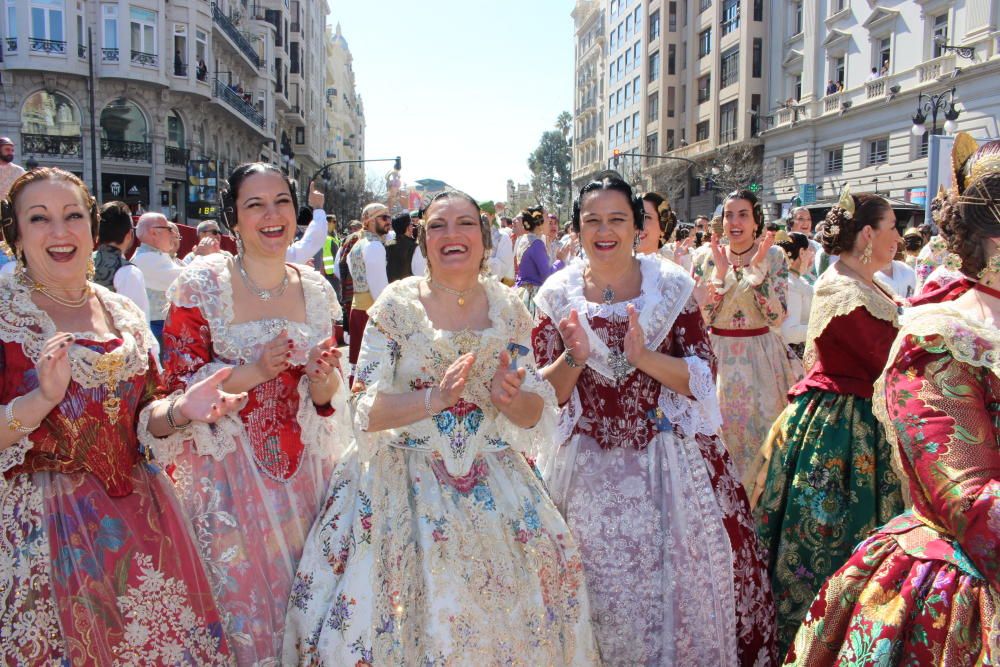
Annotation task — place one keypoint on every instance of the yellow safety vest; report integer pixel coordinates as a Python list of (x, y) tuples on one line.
[(329, 256)]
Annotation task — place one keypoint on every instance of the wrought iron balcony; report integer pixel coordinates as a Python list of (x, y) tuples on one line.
[(137, 151), (50, 144), (177, 156), (146, 59), (239, 39), (109, 55), (11, 44), (232, 98), (47, 45)]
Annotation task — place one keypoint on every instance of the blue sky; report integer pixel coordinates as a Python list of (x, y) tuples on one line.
[(461, 89)]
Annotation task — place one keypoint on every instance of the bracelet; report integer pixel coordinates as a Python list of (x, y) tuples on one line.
[(13, 423), (170, 414), (570, 361), (427, 401)]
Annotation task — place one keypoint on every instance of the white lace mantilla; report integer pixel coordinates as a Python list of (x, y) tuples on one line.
[(664, 293), (22, 322)]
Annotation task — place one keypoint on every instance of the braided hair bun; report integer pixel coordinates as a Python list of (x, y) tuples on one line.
[(842, 226)]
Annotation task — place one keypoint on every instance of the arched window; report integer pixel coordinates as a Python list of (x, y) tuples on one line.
[(48, 113), (121, 120), (175, 130)]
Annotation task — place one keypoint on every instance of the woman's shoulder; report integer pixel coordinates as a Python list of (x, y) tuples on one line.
[(201, 282), (944, 328)]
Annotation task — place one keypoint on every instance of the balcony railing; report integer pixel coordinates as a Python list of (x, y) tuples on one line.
[(730, 24), (144, 59), (109, 55), (50, 144), (934, 68), (180, 69), (46, 45), (727, 135), (232, 98), (11, 44), (239, 39), (137, 151), (81, 50), (177, 156), (831, 103), (875, 88)]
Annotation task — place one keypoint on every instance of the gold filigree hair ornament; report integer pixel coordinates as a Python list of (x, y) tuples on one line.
[(846, 202), (977, 194), (781, 236)]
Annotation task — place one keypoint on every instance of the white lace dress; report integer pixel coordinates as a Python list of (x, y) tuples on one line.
[(649, 490), (251, 484), (438, 544)]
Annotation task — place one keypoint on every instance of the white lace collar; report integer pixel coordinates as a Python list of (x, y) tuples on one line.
[(665, 290), (23, 322), (207, 285)]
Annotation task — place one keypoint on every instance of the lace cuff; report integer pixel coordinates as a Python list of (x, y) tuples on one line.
[(12, 457), (727, 283), (537, 440), (754, 275), (164, 450), (700, 414), (324, 436), (361, 407)]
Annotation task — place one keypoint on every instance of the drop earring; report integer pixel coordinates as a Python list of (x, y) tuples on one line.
[(91, 269), (239, 245), (19, 259), (866, 256)]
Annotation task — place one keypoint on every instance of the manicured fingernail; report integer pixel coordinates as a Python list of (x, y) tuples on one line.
[(48, 356), (288, 355), (61, 345), (291, 344)]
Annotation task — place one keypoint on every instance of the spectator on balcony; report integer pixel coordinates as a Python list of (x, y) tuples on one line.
[(202, 71), (885, 68), (158, 267), (874, 74), (9, 172), (831, 87), (179, 68)]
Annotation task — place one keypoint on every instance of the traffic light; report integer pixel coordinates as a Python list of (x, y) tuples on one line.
[(617, 155), (398, 164)]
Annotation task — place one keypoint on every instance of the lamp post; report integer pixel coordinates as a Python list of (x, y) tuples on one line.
[(931, 105), (967, 52)]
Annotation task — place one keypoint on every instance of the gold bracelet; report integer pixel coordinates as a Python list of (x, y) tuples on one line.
[(13, 423), (170, 415)]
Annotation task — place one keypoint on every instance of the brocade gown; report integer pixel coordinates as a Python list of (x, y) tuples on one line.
[(438, 544), (97, 565), (252, 483), (672, 562)]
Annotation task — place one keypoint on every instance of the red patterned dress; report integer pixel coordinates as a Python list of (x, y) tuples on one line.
[(922, 590), (252, 483), (97, 566), (672, 562)]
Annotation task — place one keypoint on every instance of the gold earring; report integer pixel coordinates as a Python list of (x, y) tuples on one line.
[(866, 256), (992, 266), (91, 269), (20, 268)]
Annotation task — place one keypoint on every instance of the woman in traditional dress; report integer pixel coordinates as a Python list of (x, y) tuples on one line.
[(924, 588), (672, 563), (97, 566), (531, 257), (438, 544), (800, 255), (742, 288), (824, 476), (658, 225), (252, 484)]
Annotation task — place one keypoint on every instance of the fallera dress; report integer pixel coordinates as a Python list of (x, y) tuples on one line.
[(755, 367), (97, 565), (824, 475), (437, 543), (923, 589), (252, 483), (672, 562)]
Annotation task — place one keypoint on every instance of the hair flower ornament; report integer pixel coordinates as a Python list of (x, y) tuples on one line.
[(846, 203)]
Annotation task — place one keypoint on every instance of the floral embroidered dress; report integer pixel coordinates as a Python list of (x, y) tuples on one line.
[(97, 566), (671, 559), (438, 544), (923, 589), (251, 484), (755, 367), (824, 476)]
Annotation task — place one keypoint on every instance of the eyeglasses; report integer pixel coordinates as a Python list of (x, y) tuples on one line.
[(216, 232), (160, 227), (383, 217)]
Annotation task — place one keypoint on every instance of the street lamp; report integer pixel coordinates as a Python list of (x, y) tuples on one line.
[(931, 105), (967, 52)]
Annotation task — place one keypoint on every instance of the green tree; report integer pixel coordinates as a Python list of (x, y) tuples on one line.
[(564, 122), (550, 170)]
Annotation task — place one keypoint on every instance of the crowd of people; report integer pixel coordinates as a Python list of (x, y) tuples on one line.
[(622, 440)]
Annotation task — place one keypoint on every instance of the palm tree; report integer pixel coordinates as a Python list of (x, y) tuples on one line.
[(563, 123)]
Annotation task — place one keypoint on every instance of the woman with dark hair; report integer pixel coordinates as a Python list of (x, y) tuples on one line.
[(531, 257), (669, 553), (742, 290), (823, 477), (924, 588), (252, 485), (799, 254), (438, 544), (97, 564), (658, 224)]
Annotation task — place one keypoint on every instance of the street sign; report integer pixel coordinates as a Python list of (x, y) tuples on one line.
[(807, 193)]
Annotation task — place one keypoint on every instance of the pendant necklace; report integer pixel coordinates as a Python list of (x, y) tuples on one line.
[(454, 292), (262, 294), (608, 295)]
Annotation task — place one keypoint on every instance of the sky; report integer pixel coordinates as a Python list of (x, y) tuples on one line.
[(462, 90)]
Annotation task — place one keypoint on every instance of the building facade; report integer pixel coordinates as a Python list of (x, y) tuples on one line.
[(152, 102), (845, 80), (680, 79), (345, 117)]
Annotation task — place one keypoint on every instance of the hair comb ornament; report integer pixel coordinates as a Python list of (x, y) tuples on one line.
[(6, 212), (846, 202), (781, 236), (963, 149)]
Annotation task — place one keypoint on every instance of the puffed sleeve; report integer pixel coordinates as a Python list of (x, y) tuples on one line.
[(937, 407), (698, 412), (545, 340), (13, 455), (373, 374), (769, 283)]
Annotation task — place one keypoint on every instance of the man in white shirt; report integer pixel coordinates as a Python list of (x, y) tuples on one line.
[(314, 237), (502, 262), (367, 263), (9, 172), (209, 241), (158, 267)]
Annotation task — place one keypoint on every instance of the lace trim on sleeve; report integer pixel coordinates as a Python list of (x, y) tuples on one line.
[(166, 449), (700, 414), (12, 457), (538, 440), (329, 436)]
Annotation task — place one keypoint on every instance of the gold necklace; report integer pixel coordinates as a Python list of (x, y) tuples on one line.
[(454, 292), (68, 303)]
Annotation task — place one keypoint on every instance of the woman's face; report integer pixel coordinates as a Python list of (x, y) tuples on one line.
[(738, 223), (649, 237), (806, 257), (607, 230), (885, 239), (265, 214), (53, 225), (551, 228), (454, 238)]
